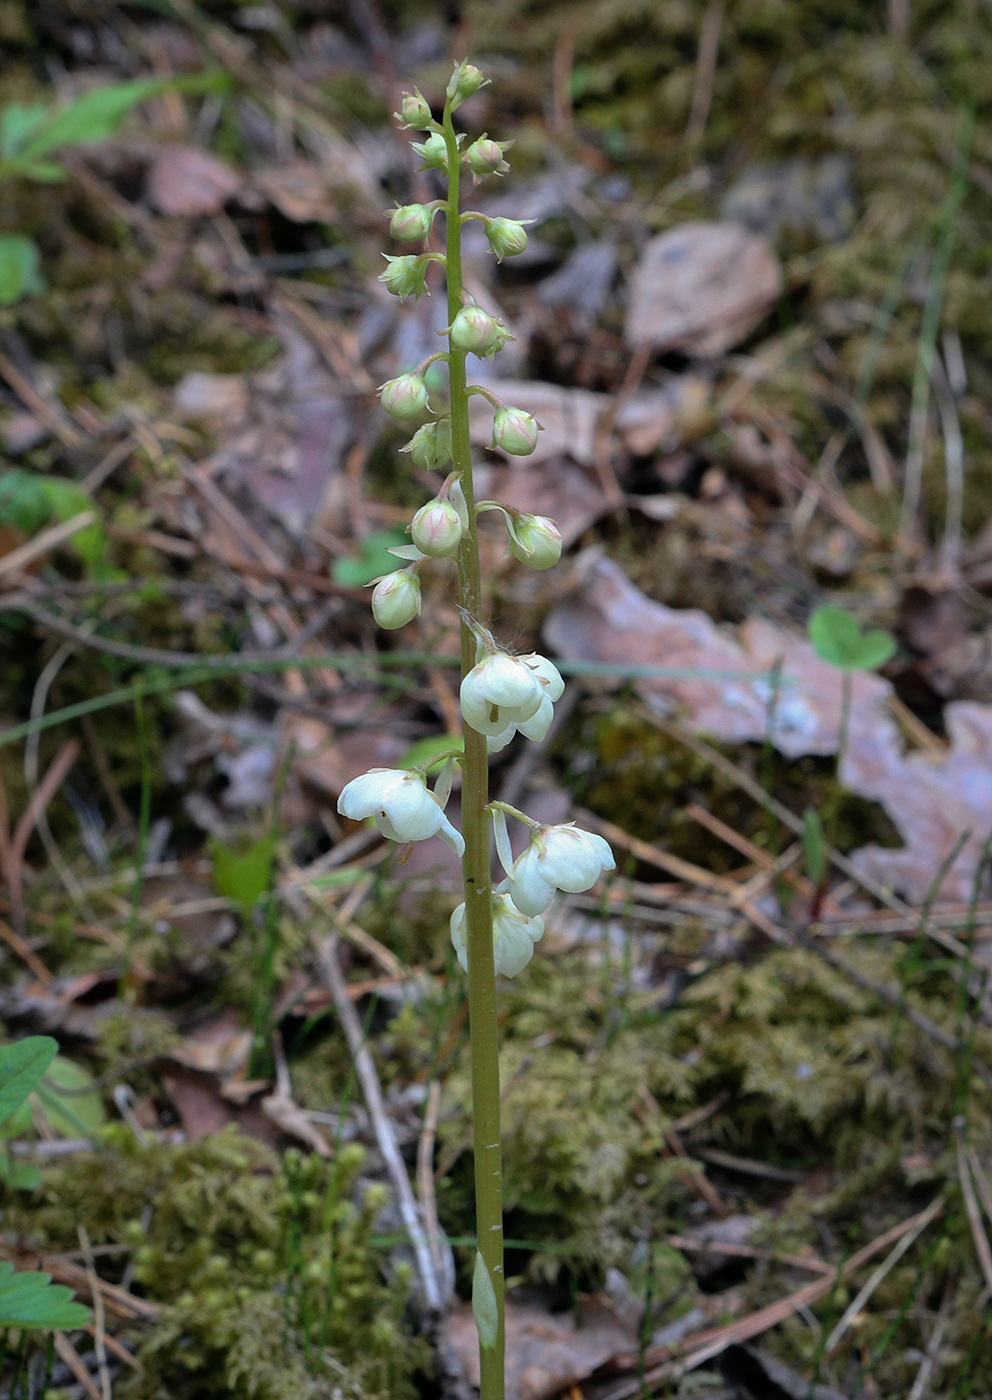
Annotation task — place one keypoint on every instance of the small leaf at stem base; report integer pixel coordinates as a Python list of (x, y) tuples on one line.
[(484, 1306)]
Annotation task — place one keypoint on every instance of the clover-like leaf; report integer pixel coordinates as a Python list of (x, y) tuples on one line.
[(838, 639), (28, 1298), (22, 1066), (69, 1098)]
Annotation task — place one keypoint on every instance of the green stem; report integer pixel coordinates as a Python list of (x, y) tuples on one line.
[(475, 829)]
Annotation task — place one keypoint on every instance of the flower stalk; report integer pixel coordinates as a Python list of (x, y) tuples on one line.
[(501, 695)]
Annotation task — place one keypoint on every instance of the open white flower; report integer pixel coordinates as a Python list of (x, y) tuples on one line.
[(514, 936), (558, 858), (503, 691), (403, 808)]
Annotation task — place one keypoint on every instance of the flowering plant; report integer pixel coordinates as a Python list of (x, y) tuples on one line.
[(493, 931)]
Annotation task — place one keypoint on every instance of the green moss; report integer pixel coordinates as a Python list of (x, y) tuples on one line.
[(268, 1285)]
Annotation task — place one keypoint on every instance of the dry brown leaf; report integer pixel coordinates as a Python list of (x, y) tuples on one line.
[(702, 288), (220, 1044), (545, 1352), (184, 181), (930, 800), (290, 1119), (215, 400)]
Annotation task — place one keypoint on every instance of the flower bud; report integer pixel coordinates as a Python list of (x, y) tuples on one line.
[(396, 599), (436, 529), (414, 111), (433, 152), (507, 237), (475, 330), (514, 431), (465, 80), (405, 277), (411, 221), (485, 157), (535, 541), (404, 397), (430, 446)]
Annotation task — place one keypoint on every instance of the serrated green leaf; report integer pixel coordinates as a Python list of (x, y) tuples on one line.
[(22, 1065), (28, 1298), (837, 638), (20, 264), (70, 1100), (484, 1306), (356, 570), (244, 876)]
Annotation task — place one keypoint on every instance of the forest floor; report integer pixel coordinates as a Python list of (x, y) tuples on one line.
[(747, 1081)]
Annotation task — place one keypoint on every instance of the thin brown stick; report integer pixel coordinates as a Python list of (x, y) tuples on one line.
[(44, 543), (25, 952), (333, 978), (67, 1353), (746, 1251), (706, 61), (427, 1193), (99, 1321), (651, 855), (46, 790), (978, 1235), (39, 406)]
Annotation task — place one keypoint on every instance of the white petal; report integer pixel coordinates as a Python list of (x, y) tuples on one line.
[(451, 836), (365, 796), (529, 890), (509, 682), (495, 743), (537, 726), (414, 811), (573, 860), (502, 841), (514, 936), (547, 673), (459, 936)]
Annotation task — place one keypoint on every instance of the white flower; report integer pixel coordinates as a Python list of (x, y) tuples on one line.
[(396, 599), (503, 690), (514, 936), (403, 808), (558, 858), (436, 529)]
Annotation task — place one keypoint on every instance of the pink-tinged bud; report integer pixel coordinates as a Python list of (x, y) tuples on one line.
[(485, 157), (430, 446), (436, 529), (411, 222), (433, 152), (475, 330), (507, 237), (405, 277), (404, 397), (515, 432), (465, 81), (396, 599), (535, 541), (414, 112)]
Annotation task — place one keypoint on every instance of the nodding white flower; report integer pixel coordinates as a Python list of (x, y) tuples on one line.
[(404, 397), (514, 935), (403, 808), (503, 690), (436, 529), (396, 599), (558, 858)]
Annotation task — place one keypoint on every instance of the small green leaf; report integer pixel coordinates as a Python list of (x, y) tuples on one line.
[(22, 1066), (70, 1100), (814, 846), (19, 268), (244, 876), (18, 1176), (17, 121), (838, 639), (484, 1307), (356, 570), (30, 1299), (424, 750)]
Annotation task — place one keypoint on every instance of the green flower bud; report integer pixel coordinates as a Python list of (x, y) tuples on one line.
[(507, 237), (436, 529), (414, 112), (535, 541), (485, 157), (411, 221), (514, 431), (430, 446), (404, 397), (465, 80), (475, 330), (405, 276), (433, 152), (396, 599)]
